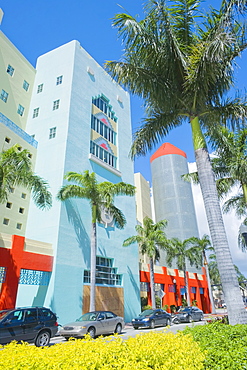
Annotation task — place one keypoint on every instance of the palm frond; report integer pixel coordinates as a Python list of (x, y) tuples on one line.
[(191, 177)]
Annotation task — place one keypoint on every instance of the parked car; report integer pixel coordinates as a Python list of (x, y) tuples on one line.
[(34, 325), (188, 314), (94, 323), (152, 318)]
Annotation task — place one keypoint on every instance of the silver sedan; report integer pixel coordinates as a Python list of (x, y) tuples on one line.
[(93, 323)]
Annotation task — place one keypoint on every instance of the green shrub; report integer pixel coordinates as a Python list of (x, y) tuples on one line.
[(154, 350), (226, 345)]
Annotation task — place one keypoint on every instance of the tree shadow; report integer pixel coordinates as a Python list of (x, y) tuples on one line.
[(81, 234)]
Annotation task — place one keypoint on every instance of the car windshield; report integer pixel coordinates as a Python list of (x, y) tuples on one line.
[(90, 316), (184, 309), (3, 314), (146, 313)]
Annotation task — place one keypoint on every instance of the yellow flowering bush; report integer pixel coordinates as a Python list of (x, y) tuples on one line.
[(151, 351)]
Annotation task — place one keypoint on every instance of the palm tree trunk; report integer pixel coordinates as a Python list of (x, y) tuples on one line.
[(93, 260), (232, 294), (213, 311), (186, 283), (152, 286)]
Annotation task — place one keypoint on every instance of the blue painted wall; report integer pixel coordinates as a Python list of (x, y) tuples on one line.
[(68, 226)]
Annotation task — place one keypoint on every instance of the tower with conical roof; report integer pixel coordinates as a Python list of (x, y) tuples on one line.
[(172, 195)]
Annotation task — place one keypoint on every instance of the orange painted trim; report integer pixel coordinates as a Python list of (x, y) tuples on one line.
[(171, 298), (14, 260), (166, 149)]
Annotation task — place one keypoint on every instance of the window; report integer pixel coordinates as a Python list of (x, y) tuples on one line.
[(29, 155), (25, 85), (102, 154), (21, 210), (105, 273), (7, 139), (19, 148), (18, 226), (103, 103), (20, 110), (4, 96), (40, 88), (59, 80), (8, 205), (35, 112), (34, 277), (10, 70), (105, 131), (52, 133), (56, 104), (23, 195), (5, 221)]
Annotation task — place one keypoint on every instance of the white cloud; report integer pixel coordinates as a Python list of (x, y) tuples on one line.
[(231, 222)]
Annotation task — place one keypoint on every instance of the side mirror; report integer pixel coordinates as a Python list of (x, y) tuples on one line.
[(100, 318), (7, 321)]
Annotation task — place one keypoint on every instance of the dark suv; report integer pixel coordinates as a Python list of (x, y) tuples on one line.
[(34, 325)]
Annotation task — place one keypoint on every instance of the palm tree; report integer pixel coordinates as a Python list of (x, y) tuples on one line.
[(181, 251), (183, 69), (230, 168), (150, 238), (101, 198), (204, 245), (16, 170)]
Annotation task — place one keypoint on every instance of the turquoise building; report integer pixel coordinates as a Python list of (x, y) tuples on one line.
[(80, 118)]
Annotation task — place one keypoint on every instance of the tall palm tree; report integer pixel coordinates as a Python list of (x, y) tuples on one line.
[(182, 251), (183, 69), (101, 197), (150, 238), (204, 245), (230, 168), (16, 170)]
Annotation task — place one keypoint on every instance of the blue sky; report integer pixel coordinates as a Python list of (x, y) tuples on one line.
[(35, 27), (38, 26)]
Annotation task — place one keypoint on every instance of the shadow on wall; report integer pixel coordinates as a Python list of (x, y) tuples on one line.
[(39, 299), (129, 311), (81, 234)]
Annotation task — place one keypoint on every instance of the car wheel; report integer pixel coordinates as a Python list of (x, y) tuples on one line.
[(136, 327), (176, 320), (118, 329), (91, 331), (168, 322), (189, 318), (152, 324), (43, 339)]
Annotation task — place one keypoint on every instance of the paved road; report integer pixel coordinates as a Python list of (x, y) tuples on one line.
[(130, 332)]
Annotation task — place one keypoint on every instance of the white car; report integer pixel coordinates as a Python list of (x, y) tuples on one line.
[(94, 323)]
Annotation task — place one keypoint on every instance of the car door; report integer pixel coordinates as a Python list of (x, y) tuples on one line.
[(31, 325), (111, 321), (101, 324), (159, 318), (12, 327), (194, 314)]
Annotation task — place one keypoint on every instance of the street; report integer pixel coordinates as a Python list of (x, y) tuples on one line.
[(130, 332)]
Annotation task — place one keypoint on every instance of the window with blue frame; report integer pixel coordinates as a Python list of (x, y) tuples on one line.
[(103, 103), (34, 277), (106, 274)]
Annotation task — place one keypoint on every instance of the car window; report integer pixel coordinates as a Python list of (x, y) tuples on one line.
[(3, 314), (90, 316), (109, 315), (16, 316), (146, 313), (184, 309), (46, 314), (101, 316), (31, 315)]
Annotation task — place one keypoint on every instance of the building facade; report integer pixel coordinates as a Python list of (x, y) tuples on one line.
[(172, 200), (81, 120)]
